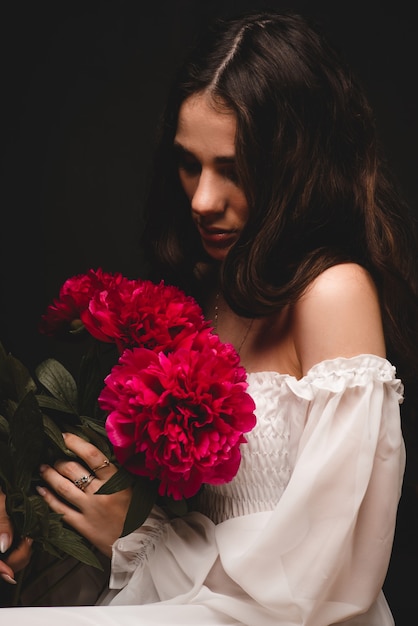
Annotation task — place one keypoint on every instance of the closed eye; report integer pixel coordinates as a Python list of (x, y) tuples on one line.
[(229, 171), (186, 161), (191, 166)]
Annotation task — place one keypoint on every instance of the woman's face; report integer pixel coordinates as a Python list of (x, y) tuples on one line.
[(205, 145)]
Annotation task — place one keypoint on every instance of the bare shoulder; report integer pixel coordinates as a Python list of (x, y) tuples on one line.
[(339, 315), (347, 285)]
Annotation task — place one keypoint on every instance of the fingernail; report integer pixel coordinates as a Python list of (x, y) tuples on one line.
[(8, 579), (41, 491), (5, 542), (42, 468)]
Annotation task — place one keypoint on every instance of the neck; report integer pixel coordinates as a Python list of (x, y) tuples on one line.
[(229, 326)]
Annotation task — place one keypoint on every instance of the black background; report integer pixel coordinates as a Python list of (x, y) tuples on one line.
[(83, 84)]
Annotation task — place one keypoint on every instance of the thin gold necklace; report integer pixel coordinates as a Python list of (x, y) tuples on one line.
[(216, 319)]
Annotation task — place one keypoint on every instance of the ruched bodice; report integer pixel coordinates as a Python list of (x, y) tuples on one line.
[(265, 460), (282, 404)]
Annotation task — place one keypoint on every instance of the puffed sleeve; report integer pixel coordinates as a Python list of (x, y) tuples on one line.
[(322, 555)]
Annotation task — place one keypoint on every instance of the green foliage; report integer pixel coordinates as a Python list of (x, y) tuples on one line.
[(34, 412), (33, 415)]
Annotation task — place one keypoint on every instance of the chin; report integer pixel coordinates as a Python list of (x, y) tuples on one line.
[(216, 254)]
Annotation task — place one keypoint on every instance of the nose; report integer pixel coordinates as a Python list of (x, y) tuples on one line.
[(208, 197)]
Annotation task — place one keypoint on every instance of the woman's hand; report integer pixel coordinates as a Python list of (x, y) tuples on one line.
[(99, 518), (18, 558)]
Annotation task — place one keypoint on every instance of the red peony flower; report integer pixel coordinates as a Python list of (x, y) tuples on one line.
[(176, 401), (179, 417), (74, 298), (126, 312), (142, 313)]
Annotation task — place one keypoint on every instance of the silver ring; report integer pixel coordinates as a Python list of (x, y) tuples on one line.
[(84, 481), (105, 463)]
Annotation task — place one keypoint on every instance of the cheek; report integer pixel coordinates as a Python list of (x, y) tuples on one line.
[(242, 208), (188, 184)]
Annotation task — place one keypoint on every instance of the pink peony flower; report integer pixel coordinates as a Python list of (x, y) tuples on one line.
[(179, 417)]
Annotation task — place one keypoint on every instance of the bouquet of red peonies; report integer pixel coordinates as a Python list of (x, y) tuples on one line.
[(171, 413)]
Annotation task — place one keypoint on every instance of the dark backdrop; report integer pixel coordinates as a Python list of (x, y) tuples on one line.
[(83, 85)]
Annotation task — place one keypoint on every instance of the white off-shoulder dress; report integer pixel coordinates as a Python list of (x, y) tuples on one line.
[(301, 536)]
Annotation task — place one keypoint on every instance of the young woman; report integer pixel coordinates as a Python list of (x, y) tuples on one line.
[(271, 205)]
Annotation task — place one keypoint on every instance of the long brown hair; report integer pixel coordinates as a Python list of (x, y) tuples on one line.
[(309, 163)]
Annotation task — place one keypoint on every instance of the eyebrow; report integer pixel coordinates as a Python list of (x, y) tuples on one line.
[(219, 159)]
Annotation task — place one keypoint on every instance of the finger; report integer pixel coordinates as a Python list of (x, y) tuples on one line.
[(84, 518), (70, 515), (63, 484), (89, 511), (6, 529), (19, 557), (92, 456), (6, 573), (71, 470)]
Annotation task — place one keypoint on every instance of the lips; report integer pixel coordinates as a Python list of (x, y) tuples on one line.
[(218, 237)]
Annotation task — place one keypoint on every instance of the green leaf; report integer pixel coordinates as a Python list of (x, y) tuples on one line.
[(27, 520), (26, 440), (97, 425), (143, 499), (59, 382), (46, 402), (45, 517), (35, 517), (94, 367), (8, 408), (90, 382), (71, 543), (121, 480), (49, 531), (4, 427), (6, 465), (99, 440), (15, 379), (6, 382), (54, 434)]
